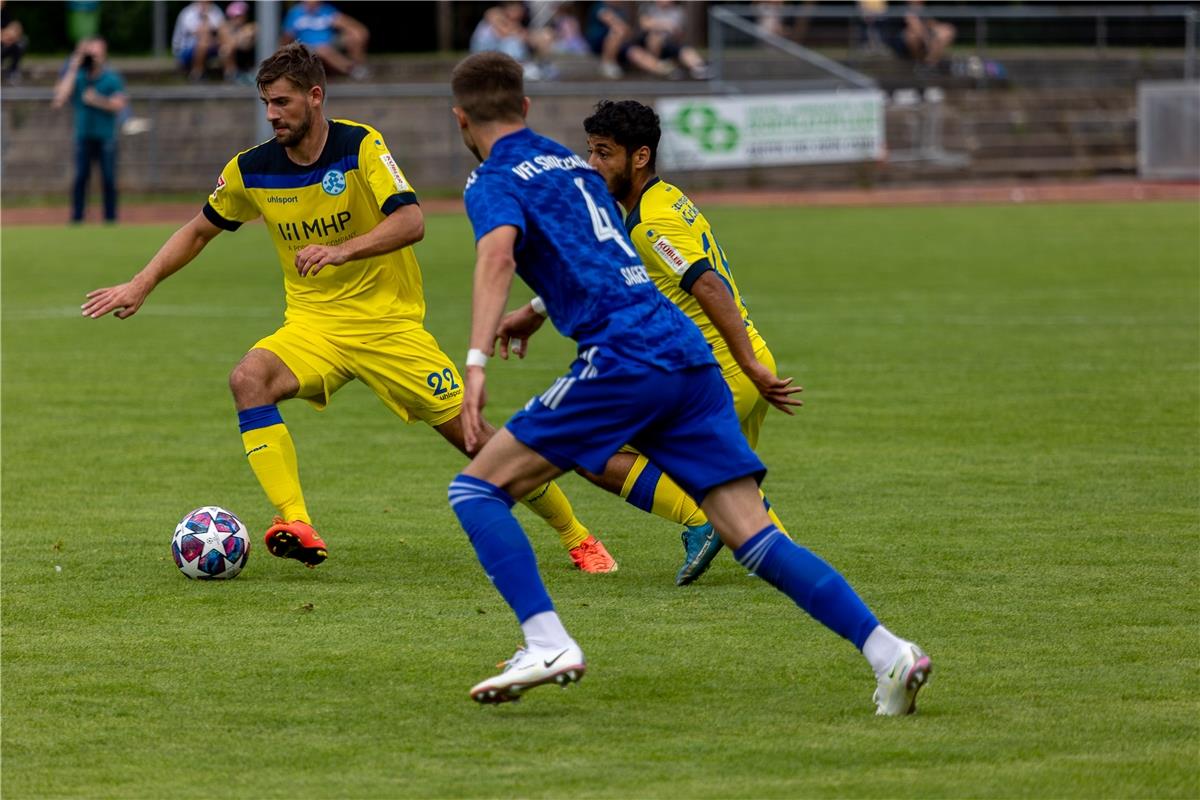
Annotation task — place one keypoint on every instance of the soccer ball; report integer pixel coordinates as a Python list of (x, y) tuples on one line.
[(210, 543)]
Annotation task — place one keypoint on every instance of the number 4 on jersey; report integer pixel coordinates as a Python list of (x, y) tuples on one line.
[(602, 225)]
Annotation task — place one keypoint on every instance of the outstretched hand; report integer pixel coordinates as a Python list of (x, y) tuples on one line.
[(777, 391), (514, 331), (123, 300)]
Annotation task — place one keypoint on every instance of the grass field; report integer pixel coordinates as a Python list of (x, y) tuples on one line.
[(1000, 449)]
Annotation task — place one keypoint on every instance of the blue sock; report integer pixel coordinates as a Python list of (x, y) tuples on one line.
[(259, 417), (641, 495), (814, 585), (504, 552)]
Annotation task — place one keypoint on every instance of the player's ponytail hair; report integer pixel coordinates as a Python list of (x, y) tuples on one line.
[(628, 123), (295, 62), (489, 87)]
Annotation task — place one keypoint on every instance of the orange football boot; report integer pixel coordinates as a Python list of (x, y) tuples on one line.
[(296, 540), (590, 555)]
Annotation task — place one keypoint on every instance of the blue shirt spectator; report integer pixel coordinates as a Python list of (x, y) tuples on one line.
[(311, 24), (339, 40)]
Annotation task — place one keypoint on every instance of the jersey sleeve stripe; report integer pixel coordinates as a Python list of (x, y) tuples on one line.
[(261, 180), (212, 216), (397, 200), (694, 272)]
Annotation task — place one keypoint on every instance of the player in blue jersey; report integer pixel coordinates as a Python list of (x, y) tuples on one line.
[(644, 375)]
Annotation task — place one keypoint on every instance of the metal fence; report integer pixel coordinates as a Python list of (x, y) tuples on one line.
[(1100, 29)]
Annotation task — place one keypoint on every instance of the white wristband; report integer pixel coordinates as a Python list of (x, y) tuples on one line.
[(476, 358), (538, 305)]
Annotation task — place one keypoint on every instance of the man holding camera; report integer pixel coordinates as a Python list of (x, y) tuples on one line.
[(97, 94)]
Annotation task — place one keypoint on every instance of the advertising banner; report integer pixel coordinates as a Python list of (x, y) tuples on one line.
[(756, 130)]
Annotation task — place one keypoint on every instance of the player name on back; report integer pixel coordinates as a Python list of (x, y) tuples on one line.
[(544, 163)]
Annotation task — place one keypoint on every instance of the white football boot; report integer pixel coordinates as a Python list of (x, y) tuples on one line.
[(530, 668), (896, 693)]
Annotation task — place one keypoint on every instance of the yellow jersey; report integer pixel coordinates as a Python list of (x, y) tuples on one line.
[(346, 192), (677, 245)]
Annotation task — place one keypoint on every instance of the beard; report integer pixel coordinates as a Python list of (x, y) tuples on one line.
[(621, 184), (294, 135)]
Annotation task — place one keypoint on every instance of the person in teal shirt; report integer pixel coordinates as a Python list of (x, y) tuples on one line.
[(97, 94)]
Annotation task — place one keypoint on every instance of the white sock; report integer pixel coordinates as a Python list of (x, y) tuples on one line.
[(545, 631), (881, 649)]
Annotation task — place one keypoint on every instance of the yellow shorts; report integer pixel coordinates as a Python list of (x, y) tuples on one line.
[(406, 369), (751, 407)]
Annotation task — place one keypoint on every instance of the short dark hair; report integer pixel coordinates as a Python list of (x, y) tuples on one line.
[(489, 87), (628, 123), (301, 66)]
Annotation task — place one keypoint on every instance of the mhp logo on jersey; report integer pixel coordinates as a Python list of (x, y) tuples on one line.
[(334, 182)]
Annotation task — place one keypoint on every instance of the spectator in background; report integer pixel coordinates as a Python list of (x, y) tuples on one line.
[(917, 38), (566, 34), (98, 96), (328, 32), (13, 43), (611, 34), (661, 24), (503, 30), (197, 37), (238, 43)]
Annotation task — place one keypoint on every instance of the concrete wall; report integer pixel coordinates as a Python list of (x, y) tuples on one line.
[(1029, 133)]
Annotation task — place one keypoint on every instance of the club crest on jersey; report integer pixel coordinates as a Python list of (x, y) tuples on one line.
[(334, 182)]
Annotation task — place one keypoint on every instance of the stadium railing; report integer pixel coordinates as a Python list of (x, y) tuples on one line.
[(1101, 29)]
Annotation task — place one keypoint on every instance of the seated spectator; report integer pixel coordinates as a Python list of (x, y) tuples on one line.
[(771, 19), (918, 38), (339, 40), (566, 35), (661, 24), (870, 14), (503, 30), (611, 34), (237, 42), (13, 43), (196, 39)]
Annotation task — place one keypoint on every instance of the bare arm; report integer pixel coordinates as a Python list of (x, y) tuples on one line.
[(112, 103), (125, 299), (716, 300), (66, 84), (494, 268), (404, 226)]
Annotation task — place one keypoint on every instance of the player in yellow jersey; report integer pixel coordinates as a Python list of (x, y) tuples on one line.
[(683, 258), (343, 220)]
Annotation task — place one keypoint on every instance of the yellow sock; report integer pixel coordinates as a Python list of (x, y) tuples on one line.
[(272, 456), (549, 503), (771, 513), (647, 488)]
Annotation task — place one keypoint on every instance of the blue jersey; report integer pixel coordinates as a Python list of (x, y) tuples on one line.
[(573, 251)]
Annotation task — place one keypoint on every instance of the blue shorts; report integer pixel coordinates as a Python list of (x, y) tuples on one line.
[(185, 56), (683, 421)]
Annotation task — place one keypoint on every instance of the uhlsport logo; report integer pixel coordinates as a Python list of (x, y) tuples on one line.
[(334, 182), (702, 123)]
